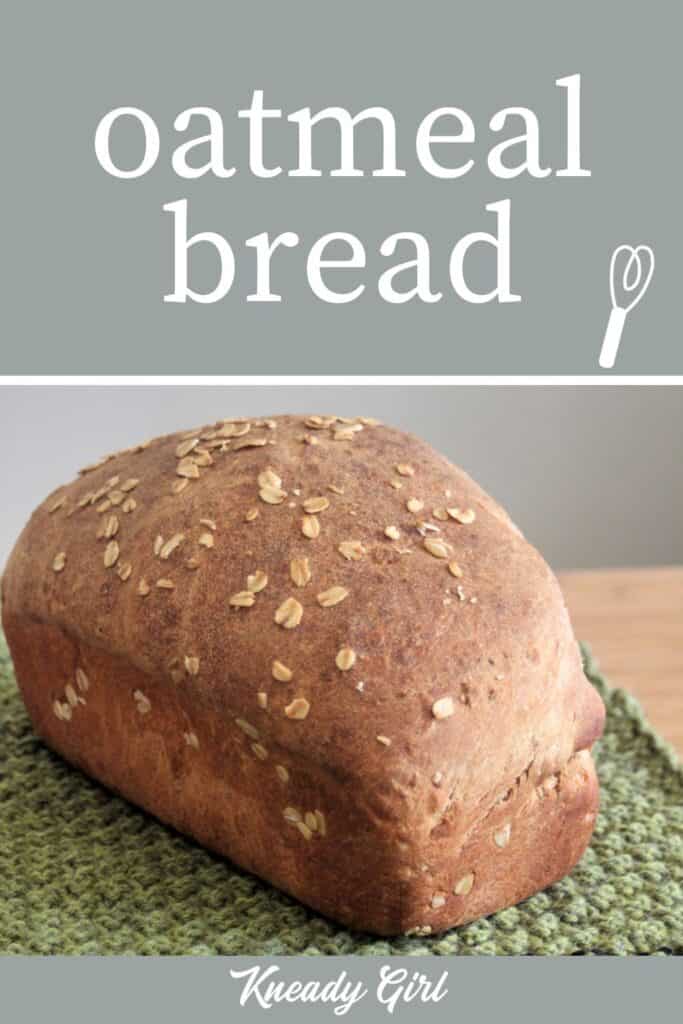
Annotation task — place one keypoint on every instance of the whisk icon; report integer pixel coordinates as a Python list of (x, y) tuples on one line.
[(630, 272)]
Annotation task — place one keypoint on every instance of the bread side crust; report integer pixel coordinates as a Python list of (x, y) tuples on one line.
[(144, 739)]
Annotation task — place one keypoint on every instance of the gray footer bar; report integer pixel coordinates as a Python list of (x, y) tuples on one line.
[(288, 989)]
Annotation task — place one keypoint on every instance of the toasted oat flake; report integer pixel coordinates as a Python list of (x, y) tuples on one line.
[(250, 442), (186, 446), (116, 497), (158, 544), (59, 503), (170, 546), (282, 773), (178, 486), (465, 516), (335, 489), (415, 505), (248, 729), (71, 695), (392, 532), (257, 581), (62, 710), (240, 427), (165, 584), (298, 708), (59, 561), (191, 740), (143, 587), (242, 599), (281, 672), (403, 469), (142, 702), (233, 428), (292, 815), (262, 699), (384, 740), (311, 821), (124, 570), (129, 505), (322, 824), (82, 681), (260, 751), (103, 506), (129, 485), (316, 504), (444, 707), (437, 548), (344, 434), (206, 540), (454, 569), (502, 836), (202, 457), (250, 515), (440, 513), (396, 484), (191, 665), (272, 495), (93, 466), (300, 571), (111, 554), (333, 596), (188, 469), (304, 829), (346, 659), (310, 527), (352, 550), (289, 614), (269, 478), (320, 422), (210, 523), (464, 885)]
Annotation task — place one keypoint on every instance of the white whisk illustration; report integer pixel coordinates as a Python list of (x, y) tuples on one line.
[(632, 276)]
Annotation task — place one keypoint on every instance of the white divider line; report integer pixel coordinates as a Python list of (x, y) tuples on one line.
[(500, 380)]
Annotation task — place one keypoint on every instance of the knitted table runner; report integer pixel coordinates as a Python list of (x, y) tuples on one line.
[(85, 872)]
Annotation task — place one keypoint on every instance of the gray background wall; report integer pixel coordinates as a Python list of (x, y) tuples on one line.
[(591, 474)]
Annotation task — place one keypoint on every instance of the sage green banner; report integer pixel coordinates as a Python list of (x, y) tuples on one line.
[(429, 989), (356, 188)]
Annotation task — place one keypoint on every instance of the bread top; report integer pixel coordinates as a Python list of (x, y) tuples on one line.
[(408, 640)]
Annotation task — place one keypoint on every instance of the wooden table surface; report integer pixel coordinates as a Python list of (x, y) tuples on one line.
[(633, 621)]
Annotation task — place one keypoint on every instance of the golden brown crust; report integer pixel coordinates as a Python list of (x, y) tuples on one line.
[(428, 683)]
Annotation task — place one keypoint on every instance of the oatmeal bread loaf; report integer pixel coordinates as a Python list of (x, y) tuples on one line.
[(322, 650)]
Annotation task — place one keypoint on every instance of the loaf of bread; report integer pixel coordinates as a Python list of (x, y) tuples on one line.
[(320, 649)]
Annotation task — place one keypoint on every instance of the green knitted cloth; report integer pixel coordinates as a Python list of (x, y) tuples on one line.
[(85, 872)]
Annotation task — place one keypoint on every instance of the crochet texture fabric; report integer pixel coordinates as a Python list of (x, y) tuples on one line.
[(85, 872)]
